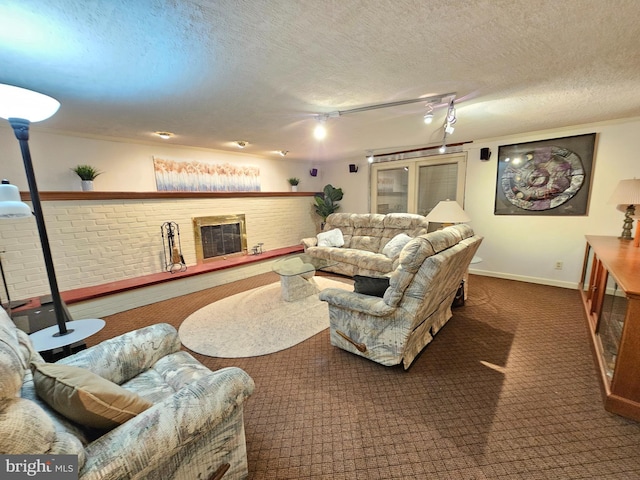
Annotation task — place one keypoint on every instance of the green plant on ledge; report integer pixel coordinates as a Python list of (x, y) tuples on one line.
[(293, 181), (86, 172), (326, 204)]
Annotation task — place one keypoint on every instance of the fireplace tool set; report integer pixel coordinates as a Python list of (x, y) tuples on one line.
[(173, 259)]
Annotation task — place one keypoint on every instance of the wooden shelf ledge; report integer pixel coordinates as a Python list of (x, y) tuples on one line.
[(97, 291)]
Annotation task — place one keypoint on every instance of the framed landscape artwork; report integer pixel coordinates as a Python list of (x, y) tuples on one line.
[(547, 177)]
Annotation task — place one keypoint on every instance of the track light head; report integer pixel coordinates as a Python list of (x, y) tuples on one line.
[(283, 153), (242, 143), (320, 132), (370, 156), (428, 116)]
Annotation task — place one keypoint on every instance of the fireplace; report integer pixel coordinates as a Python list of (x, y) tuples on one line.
[(219, 237)]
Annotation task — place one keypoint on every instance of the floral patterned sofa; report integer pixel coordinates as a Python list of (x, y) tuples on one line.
[(371, 241), (395, 328), (191, 426)]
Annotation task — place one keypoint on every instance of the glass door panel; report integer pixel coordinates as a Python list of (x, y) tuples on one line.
[(392, 190), (436, 183)]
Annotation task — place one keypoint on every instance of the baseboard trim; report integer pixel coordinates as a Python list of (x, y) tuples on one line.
[(523, 278)]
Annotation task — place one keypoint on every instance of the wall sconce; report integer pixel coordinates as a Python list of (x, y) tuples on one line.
[(313, 172), (353, 168)]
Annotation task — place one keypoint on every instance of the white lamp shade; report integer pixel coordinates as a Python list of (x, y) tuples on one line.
[(448, 211), (626, 193), (16, 102), (10, 204)]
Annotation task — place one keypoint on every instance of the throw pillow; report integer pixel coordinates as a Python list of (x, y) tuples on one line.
[(331, 238), (374, 286), (395, 245), (84, 397)]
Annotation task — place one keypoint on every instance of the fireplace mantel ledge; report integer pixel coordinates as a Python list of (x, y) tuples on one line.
[(97, 291), (97, 196)]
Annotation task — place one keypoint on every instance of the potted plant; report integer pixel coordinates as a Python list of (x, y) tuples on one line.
[(293, 181), (87, 174), (326, 203)]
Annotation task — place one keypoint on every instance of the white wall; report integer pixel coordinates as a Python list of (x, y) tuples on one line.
[(527, 247), (128, 167)]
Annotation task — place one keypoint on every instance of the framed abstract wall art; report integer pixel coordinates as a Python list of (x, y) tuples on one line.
[(547, 177)]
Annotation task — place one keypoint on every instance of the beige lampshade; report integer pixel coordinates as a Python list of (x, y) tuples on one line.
[(448, 211), (626, 193)]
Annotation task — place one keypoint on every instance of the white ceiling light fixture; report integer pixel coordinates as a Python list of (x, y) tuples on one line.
[(320, 132), (164, 135), (241, 143), (428, 117), (370, 156), (451, 118), (283, 153)]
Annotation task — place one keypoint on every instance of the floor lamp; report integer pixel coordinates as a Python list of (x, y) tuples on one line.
[(21, 107)]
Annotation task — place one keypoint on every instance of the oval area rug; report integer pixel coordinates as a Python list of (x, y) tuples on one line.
[(256, 322)]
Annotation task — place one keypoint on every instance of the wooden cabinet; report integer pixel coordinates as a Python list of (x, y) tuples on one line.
[(610, 289)]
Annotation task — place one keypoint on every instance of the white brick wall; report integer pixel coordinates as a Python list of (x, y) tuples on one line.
[(95, 242)]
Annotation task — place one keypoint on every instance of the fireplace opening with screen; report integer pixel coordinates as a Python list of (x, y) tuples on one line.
[(219, 237)]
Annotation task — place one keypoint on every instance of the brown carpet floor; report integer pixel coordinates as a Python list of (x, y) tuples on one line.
[(507, 390)]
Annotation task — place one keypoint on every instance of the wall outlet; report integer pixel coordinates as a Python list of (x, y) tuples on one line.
[(558, 265)]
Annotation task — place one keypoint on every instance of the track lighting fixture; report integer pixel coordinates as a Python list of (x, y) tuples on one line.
[(320, 131), (428, 117), (370, 156), (164, 135), (283, 153), (242, 143), (451, 119)]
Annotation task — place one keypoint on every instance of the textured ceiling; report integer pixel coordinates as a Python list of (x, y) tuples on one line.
[(260, 70)]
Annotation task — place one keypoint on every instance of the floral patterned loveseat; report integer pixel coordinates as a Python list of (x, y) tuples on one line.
[(372, 241), (192, 423)]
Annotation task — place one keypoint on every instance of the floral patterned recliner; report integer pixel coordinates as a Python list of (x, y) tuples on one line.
[(192, 429), (395, 328)]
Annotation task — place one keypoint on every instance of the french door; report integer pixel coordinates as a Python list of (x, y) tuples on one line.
[(418, 184)]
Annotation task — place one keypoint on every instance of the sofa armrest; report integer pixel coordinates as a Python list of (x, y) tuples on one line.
[(309, 242), (357, 302), (177, 423), (123, 357)]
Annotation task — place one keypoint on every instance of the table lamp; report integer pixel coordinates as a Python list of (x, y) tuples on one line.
[(448, 212), (626, 196), (21, 107)]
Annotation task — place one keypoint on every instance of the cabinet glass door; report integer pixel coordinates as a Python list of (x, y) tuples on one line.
[(614, 306)]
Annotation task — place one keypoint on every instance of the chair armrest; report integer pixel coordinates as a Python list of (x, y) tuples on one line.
[(123, 357), (174, 424), (357, 302), (309, 242)]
